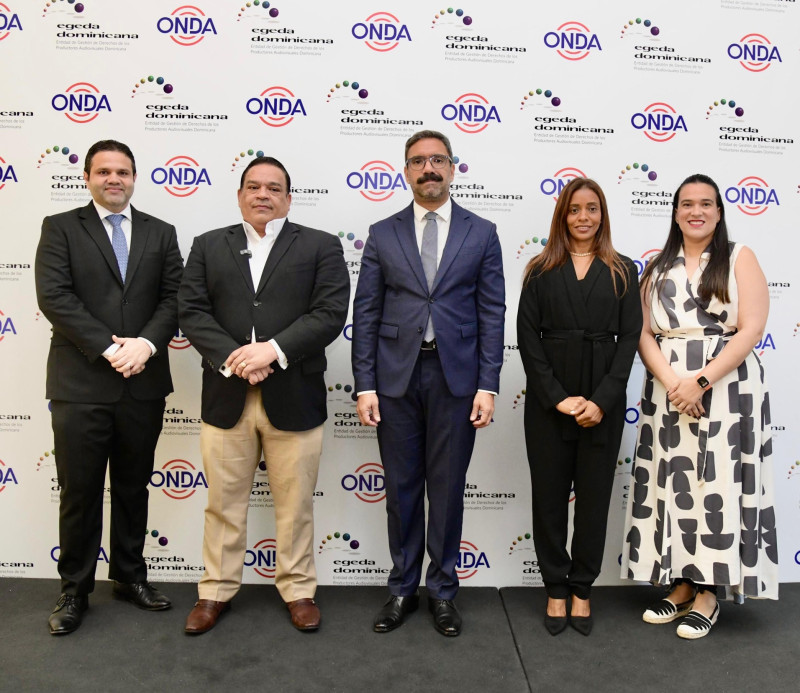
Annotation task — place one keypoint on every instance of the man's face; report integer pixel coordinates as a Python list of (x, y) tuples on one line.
[(110, 180), (264, 196), (431, 186)]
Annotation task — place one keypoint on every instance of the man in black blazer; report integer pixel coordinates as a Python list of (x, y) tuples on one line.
[(107, 278), (260, 300), (427, 350)]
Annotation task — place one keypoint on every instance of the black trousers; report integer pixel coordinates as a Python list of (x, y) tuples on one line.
[(426, 441), (556, 466), (88, 438)]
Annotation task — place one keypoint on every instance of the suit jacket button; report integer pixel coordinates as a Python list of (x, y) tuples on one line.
[(419, 330), (256, 304), (124, 301)]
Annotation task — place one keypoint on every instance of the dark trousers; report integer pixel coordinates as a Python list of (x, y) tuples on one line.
[(426, 441), (88, 437), (555, 466)]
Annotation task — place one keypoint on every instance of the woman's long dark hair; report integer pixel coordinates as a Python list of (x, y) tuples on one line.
[(556, 252), (715, 276)]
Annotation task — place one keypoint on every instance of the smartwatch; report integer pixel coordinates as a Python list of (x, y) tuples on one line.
[(702, 381)]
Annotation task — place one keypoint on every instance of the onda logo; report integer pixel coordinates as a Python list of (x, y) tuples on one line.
[(572, 41), (376, 181), (262, 558), (660, 122), (187, 25), (179, 341), (470, 559), (181, 176), (6, 476), (647, 255), (367, 482), (471, 113), (276, 106), (8, 20), (6, 326), (381, 32), (6, 173), (178, 479), (752, 195), (81, 102), (754, 52), (552, 187)]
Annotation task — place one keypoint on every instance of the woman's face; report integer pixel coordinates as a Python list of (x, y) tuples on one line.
[(584, 216), (697, 214)]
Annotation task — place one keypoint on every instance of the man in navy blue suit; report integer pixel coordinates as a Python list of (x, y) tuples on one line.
[(427, 350)]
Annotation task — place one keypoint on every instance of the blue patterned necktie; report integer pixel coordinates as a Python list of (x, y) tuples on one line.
[(428, 253), (118, 242)]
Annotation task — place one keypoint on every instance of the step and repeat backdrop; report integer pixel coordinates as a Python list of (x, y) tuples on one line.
[(636, 95)]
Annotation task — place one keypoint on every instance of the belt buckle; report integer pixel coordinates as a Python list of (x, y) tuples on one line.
[(428, 346)]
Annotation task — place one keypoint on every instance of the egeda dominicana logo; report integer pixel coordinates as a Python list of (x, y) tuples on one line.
[(276, 106), (754, 52), (752, 195), (381, 32), (186, 25), (376, 180), (81, 102), (181, 176), (9, 21), (471, 113), (659, 122), (572, 41)]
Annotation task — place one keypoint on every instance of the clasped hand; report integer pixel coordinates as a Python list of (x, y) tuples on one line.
[(130, 358), (685, 396), (251, 362), (586, 412)]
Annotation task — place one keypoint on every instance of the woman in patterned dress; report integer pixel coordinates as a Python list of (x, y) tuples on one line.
[(701, 514), (578, 325)]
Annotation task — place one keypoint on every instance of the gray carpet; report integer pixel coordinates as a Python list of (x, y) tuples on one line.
[(503, 648)]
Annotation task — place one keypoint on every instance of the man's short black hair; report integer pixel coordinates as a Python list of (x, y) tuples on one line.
[(108, 146), (428, 134), (272, 162)]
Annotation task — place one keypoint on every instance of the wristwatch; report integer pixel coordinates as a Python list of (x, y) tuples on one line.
[(702, 381)]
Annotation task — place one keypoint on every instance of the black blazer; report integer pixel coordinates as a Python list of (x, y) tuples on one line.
[(574, 346), (80, 291), (301, 302)]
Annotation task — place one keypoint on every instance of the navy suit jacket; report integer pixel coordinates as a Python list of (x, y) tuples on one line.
[(300, 302), (392, 303), (81, 292)]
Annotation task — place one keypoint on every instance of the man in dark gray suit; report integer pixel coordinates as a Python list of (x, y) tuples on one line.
[(107, 278), (260, 300)]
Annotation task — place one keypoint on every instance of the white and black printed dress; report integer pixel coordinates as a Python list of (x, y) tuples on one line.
[(701, 503)]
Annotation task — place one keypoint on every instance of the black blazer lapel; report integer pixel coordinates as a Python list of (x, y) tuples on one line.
[(237, 242), (282, 244), (407, 238), (140, 231), (94, 226)]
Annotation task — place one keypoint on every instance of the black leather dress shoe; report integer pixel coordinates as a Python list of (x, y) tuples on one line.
[(68, 614), (141, 594), (446, 618), (394, 611)]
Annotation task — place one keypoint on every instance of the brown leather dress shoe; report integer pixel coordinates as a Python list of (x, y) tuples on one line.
[(204, 616), (305, 614)]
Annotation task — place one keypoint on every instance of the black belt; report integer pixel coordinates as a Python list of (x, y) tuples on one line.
[(428, 346)]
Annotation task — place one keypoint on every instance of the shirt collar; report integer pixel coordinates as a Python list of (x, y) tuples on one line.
[(272, 230), (102, 212), (444, 211)]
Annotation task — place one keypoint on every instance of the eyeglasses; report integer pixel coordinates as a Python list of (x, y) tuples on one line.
[(417, 163)]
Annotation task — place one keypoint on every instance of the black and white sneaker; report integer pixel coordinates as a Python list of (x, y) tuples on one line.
[(665, 611), (695, 625)]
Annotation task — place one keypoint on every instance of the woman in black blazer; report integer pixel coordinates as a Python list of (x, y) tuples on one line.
[(578, 326)]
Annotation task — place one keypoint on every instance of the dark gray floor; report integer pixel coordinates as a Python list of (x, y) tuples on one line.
[(503, 647)]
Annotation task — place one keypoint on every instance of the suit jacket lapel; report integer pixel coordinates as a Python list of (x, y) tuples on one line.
[(140, 230), (282, 243), (407, 238), (94, 226), (237, 242), (459, 229)]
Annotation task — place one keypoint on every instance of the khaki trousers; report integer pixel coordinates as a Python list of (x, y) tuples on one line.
[(230, 459)]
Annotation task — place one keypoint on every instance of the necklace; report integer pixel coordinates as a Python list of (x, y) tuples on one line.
[(591, 252)]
